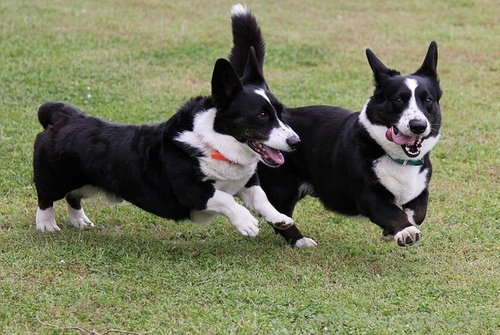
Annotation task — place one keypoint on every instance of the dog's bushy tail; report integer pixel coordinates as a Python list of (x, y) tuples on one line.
[(246, 34), (53, 112)]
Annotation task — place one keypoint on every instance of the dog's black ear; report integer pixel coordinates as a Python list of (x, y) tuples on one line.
[(225, 83), (380, 71), (429, 65), (252, 74)]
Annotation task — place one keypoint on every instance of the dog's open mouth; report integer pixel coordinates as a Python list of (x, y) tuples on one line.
[(411, 144), (271, 157)]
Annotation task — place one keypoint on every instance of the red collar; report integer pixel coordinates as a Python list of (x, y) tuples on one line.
[(220, 157)]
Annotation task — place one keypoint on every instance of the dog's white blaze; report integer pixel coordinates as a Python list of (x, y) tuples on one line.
[(405, 182), (224, 203), (46, 220), (239, 10), (413, 112), (263, 94), (256, 200), (277, 138)]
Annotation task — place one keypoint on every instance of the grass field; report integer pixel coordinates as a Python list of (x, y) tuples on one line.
[(137, 62)]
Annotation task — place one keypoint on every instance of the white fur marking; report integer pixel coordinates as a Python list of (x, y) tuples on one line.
[(279, 136), (255, 199), (228, 177), (204, 138), (78, 218), (305, 242), (413, 112), (239, 10), (405, 182), (410, 232), (410, 214), (263, 94), (223, 203), (46, 220), (377, 132)]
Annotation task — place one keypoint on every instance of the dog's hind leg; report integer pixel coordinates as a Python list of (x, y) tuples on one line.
[(283, 192), (76, 215), (45, 217)]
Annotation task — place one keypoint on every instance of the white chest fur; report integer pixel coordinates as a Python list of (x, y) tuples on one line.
[(228, 177), (405, 182)]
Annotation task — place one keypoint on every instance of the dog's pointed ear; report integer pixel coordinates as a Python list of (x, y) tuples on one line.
[(429, 65), (252, 74), (380, 71), (225, 83)]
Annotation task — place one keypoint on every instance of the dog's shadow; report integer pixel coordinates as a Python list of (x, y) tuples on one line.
[(206, 247)]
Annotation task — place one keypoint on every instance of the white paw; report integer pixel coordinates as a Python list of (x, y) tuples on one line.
[(281, 221), (407, 236), (46, 220), (247, 225), (305, 242), (78, 218)]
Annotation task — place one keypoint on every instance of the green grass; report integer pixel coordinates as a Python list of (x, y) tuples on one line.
[(137, 62)]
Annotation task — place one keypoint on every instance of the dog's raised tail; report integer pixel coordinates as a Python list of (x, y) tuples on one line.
[(52, 112), (246, 34)]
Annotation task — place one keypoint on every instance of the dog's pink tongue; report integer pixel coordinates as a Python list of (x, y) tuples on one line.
[(399, 138), (275, 155)]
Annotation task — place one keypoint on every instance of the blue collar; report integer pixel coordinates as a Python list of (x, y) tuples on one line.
[(412, 162)]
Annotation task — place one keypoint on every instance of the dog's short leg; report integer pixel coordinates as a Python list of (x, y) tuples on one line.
[(76, 215), (45, 218), (224, 203), (416, 210), (282, 190), (396, 224), (255, 199)]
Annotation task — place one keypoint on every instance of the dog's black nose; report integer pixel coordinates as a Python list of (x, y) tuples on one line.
[(293, 142), (418, 126)]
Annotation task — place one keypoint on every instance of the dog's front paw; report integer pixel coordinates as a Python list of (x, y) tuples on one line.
[(407, 236), (45, 220), (78, 218), (247, 226), (305, 242), (281, 221)]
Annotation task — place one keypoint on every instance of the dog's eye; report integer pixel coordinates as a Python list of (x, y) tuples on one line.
[(398, 101), (428, 102), (263, 115)]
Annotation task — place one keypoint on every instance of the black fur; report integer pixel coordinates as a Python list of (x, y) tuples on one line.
[(337, 154), (144, 164)]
